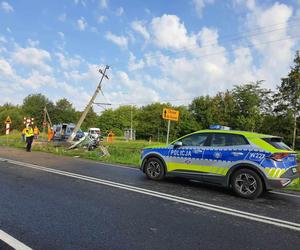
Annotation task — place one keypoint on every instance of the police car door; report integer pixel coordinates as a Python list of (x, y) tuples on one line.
[(188, 156), (224, 150)]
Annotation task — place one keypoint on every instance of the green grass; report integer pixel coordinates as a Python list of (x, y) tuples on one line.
[(121, 151)]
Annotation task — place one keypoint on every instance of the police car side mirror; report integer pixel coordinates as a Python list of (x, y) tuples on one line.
[(178, 144)]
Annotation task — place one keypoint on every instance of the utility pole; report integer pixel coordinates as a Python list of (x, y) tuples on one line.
[(98, 89)]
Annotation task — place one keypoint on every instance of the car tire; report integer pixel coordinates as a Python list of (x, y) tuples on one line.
[(154, 169), (247, 183)]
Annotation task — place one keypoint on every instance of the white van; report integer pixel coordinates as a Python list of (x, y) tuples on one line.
[(95, 132)]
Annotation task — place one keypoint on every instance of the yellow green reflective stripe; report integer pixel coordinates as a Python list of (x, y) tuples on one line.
[(172, 166)]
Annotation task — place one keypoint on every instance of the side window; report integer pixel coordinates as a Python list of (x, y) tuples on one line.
[(194, 140), (222, 140), (236, 140), (218, 140)]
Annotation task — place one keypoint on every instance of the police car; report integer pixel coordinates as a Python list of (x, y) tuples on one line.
[(249, 163)]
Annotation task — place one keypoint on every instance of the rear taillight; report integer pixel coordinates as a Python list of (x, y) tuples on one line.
[(279, 156)]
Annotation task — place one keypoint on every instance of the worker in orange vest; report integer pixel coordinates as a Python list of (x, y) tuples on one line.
[(36, 132), (50, 133), (110, 136)]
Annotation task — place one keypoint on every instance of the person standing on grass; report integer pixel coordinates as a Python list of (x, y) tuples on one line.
[(29, 137), (36, 132), (23, 134)]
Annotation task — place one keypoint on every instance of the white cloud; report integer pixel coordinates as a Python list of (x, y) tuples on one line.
[(120, 11), (275, 48), (103, 4), (170, 33), (77, 95), (90, 75), (67, 62), (81, 24), (140, 28), (124, 89), (250, 4), (121, 41), (36, 80), (133, 64), (32, 57), (33, 43), (200, 5), (101, 19), (5, 68), (6, 7)]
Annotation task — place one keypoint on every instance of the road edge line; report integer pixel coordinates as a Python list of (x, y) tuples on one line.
[(13, 242)]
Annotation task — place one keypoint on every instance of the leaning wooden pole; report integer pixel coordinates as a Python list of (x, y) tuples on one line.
[(88, 107)]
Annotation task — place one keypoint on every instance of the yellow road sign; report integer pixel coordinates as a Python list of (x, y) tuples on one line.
[(170, 114), (8, 120)]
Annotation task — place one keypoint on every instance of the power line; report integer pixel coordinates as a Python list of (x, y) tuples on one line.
[(230, 50), (237, 37)]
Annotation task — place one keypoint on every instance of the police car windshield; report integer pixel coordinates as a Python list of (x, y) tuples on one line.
[(194, 140), (277, 142)]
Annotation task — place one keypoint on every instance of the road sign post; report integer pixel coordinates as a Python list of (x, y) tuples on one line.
[(169, 124), (170, 115), (7, 127)]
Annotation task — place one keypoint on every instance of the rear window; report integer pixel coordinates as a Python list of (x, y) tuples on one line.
[(277, 142)]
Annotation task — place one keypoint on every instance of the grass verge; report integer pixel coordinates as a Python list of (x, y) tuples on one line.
[(121, 151)]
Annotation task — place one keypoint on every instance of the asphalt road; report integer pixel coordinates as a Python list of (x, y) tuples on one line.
[(55, 204)]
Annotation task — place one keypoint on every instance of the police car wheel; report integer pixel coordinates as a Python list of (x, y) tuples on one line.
[(247, 184), (154, 169)]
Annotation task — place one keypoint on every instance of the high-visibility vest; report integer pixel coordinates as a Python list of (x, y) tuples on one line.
[(36, 131), (29, 132)]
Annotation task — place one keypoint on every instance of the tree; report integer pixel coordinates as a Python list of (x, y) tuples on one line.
[(118, 119), (33, 106), (288, 96), (15, 113), (202, 111), (186, 124), (208, 110), (250, 103), (63, 112), (150, 122)]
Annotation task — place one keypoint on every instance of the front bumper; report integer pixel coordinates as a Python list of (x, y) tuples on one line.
[(284, 180)]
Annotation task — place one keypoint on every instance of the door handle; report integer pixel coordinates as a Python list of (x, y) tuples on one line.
[(237, 153)]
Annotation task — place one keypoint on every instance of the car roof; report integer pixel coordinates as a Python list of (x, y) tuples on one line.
[(247, 134)]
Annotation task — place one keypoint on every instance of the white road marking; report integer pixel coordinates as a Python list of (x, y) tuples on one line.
[(287, 194), (117, 166), (11, 241), (204, 205)]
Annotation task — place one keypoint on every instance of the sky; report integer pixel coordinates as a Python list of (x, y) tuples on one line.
[(157, 50)]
